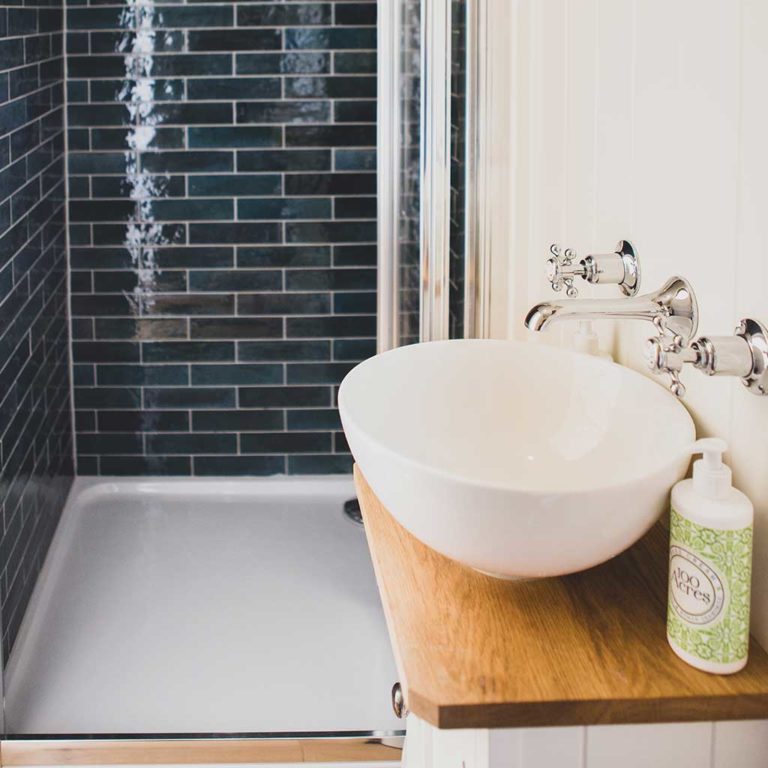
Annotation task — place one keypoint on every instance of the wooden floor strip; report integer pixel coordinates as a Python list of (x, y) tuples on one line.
[(195, 752)]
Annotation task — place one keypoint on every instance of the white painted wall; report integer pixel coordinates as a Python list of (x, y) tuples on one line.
[(648, 120)]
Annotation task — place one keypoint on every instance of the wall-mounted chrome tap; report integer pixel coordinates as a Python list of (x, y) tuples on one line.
[(745, 354), (618, 268), (672, 309)]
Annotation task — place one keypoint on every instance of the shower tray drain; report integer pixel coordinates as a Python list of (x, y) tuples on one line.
[(352, 511)]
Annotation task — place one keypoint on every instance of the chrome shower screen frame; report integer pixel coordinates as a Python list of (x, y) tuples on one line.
[(434, 170)]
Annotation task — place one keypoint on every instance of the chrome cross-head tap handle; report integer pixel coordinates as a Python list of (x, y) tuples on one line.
[(561, 270), (620, 268), (745, 355)]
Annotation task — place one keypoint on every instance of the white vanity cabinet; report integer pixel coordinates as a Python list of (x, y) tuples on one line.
[(736, 744)]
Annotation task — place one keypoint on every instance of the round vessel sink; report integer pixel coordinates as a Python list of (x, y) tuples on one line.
[(515, 459)]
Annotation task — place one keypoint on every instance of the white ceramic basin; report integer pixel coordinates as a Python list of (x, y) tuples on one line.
[(515, 459)]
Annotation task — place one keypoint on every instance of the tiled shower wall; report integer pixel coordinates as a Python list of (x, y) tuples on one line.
[(222, 223), (35, 420)]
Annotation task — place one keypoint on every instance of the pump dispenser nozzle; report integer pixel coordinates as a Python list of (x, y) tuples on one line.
[(710, 476)]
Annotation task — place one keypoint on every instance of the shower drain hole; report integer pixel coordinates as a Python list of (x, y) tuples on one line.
[(352, 511)]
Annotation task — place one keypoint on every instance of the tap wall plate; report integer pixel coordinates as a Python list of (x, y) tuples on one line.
[(631, 283), (756, 335)]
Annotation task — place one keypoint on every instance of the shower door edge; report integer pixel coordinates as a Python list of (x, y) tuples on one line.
[(477, 259), (388, 174), (435, 213)]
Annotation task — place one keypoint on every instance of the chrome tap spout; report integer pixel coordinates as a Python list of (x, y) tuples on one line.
[(673, 309)]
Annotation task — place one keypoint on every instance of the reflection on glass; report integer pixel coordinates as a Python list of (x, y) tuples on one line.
[(458, 154), (410, 185)]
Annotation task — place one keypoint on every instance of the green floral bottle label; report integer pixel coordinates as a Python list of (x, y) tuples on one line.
[(709, 589)]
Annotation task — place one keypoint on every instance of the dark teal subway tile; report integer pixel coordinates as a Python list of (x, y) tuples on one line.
[(195, 257), (354, 14), (191, 64), (271, 209), (285, 160), (284, 397), (85, 421), (187, 351), (235, 232), (240, 373), (117, 138), (331, 38), (331, 327), (235, 40), (236, 328), (110, 444), (293, 62), (214, 466), (193, 304), (146, 465), (283, 350), (235, 185), (340, 444), (330, 279), (140, 328), (283, 304), (284, 256), (279, 15), (196, 113), (337, 464), (108, 42), (358, 255), (194, 16), (317, 373), (164, 89), (237, 421), (354, 208), (236, 280), (89, 115), (186, 162), (191, 444), (330, 136), (330, 184), (189, 397), (287, 442), (192, 210), (330, 232), (353, 349), (105, 352), (331, 87), (354, 303), (354, 111), (142, 375), (116, 186), (354, 62), (233, 88), (313, 418), (107, 397), (97, 163), (284, 112), (237, 137), (122, 281), (143, 421), (101, 210)]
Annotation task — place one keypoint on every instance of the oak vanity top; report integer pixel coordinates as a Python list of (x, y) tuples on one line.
[(477, 652)]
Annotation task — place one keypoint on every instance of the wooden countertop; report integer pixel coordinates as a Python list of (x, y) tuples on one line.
[(477, 652)]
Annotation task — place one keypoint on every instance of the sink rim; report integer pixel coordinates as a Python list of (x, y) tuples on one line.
[(604, 482)]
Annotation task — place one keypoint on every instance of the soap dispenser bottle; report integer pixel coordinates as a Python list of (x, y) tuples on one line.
[(710, 566)]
